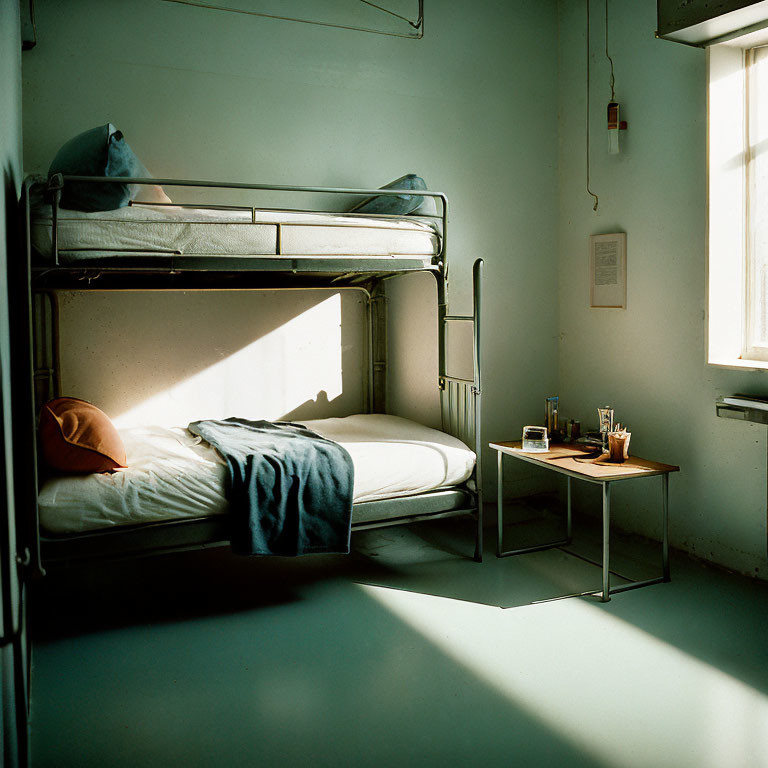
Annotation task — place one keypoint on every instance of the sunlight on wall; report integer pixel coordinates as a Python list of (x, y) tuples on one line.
[(619, 693), (265, 380)]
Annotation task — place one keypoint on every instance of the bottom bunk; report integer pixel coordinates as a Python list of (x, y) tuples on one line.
[(172, 495)]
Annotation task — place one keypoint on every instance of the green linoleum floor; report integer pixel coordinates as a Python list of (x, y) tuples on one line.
[(406, 653)]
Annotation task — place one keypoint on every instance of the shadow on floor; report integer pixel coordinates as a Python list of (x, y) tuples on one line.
[(296, 666), (432, 558), (716, 617)]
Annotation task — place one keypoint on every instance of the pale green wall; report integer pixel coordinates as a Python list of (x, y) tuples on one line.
[(649, 360), (471, 107)]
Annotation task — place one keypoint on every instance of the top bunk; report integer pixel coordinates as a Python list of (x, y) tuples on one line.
[(209, 243)]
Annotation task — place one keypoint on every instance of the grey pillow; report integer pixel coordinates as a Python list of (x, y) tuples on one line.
[(99, 151), (394, 204)]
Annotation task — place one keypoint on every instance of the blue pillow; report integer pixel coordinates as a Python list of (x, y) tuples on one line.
[(395, 204), (100, 151)]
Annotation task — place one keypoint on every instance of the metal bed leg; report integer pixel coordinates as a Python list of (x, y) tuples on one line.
[(606, 594), (479, 532)]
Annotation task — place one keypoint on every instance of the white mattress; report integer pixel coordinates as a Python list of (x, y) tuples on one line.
[(201, 231), (172, 476)]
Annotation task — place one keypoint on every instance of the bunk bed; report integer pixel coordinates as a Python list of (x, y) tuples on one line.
[(197, 246)]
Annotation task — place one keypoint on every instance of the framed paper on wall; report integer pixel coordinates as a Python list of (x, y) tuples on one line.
[(608, 270)]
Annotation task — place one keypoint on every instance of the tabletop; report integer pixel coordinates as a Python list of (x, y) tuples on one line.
[(571, 460)]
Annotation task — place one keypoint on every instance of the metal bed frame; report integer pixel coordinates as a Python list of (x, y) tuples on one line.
[(36, 378)]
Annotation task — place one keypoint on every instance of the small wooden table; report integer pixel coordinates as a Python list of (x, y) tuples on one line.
[(570, 460)]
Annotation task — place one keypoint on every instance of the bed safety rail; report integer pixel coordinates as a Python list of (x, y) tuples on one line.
[(55, 184)]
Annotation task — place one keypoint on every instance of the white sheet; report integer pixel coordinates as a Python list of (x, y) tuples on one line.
[(169, 476), (200, 231)]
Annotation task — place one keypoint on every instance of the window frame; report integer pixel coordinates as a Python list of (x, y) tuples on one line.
[(754, 272), (725, 206), (729, 268)]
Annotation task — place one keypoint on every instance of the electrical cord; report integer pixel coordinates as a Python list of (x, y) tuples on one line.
[(594, 207), (608, 55)]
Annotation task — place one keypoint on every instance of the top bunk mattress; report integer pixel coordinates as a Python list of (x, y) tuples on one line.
[(167, 230), (171, 475)]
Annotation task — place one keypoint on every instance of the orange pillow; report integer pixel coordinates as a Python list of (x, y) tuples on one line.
[(76, 436)]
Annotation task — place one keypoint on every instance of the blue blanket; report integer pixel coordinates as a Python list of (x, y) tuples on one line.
[(290, 490)]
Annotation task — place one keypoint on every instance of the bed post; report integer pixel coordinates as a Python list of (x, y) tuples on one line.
[(23, 394), (377, 348), (477, 279), (460, 398)]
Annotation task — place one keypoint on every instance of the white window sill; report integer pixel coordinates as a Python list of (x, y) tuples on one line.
[(740, 364)]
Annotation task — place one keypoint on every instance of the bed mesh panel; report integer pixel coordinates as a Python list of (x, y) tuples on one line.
[(458, 411)]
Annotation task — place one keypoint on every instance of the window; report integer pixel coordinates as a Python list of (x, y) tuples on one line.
[(738, 203)]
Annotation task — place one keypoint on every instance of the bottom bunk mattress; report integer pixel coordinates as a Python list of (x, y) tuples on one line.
[(173, 475)]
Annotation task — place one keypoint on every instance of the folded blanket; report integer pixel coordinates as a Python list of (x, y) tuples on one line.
[(290, 490)]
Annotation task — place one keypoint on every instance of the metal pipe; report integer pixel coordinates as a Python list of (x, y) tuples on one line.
[(27, 494), (477, 274), (380, 351), (534, 548), (499, 506), (409, 519), (606, 594), (665, 526), (369, 312), (589, 560), (637, 584), (55, 225), (465, 415), (477, 286), (479, 530), (441, 344), (264, 187), (263, 209)]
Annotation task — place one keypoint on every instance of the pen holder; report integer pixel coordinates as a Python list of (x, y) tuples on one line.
[(618, 446)]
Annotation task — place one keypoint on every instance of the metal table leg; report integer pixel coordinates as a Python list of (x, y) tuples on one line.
[(499, 504), (500, 551), (606, 591), (606, 594), (664, 545), (665, 526)]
